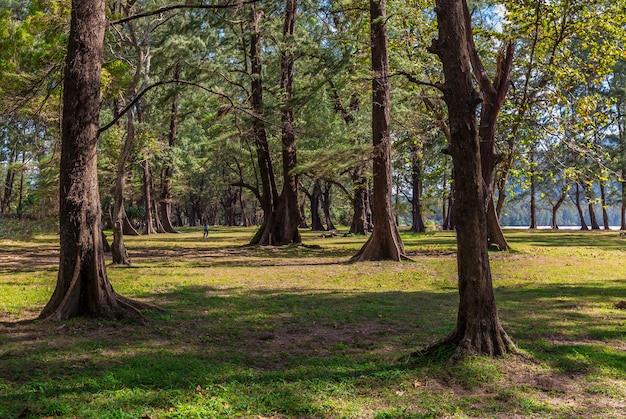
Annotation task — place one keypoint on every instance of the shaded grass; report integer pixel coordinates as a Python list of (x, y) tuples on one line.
[(297, 332)]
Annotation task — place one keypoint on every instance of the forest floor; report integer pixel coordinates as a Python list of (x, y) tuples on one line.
[(297, 332)]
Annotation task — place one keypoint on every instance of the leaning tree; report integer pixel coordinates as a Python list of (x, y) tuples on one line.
[(478, 329), (82, 287)]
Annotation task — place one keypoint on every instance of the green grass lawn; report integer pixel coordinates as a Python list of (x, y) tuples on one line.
[(296, 332)]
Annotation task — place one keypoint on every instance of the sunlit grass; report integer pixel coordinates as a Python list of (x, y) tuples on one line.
[(298, 332)]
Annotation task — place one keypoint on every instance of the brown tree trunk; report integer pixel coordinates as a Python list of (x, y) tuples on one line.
[(360, 202), (281, 227), (326, 202), (385, 241), (605, 214), (147, 196), (555, 208), (417, 225), (478, 329), (118, 249), (266, 170), (314, 197), (165, 204), (592, 214), (623, 208), (533, 195), (8, 184), (581, 215), (83, 288)]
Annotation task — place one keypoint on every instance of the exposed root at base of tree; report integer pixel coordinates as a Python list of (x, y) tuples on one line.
[(455, 347)]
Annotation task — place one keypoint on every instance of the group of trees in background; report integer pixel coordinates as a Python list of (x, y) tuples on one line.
[(245, 112), (238, 115)]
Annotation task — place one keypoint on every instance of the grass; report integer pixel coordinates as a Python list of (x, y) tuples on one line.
[(296, 332)]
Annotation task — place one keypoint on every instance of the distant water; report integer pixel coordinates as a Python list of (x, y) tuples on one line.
[(560, 227)]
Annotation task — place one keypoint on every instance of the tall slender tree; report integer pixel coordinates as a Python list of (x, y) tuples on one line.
[(385, 241), (478, 329)]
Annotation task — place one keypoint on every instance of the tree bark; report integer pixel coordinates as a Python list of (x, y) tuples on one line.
[(360, 204), (266, 170), (118, 249), (533, 193), (555, 208), (147, 196), (314, 197), (165, 204), (83, 288), (581, 215), (417, 225), (326, 202), (605, 214), (281, 227), (385, 241), (478, 329)]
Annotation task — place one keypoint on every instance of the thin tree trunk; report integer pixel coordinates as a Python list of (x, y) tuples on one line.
[(385, 241), (533, 198), (118, 249), (147, 196), (83, 288), (555, 209), (417, 225), (314, 197), (581, 215), (605, 214), (8, 184), (360, 224), (165, 204), (326, 202)]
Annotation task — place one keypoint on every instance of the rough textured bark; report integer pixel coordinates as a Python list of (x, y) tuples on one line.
[(280, 227), (165, 203), (269, 197), (83, 288), (385, 241), (478, 329), (493, 95)]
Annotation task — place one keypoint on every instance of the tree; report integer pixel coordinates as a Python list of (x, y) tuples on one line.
[(385, 241), (83, 288), (478, 329)]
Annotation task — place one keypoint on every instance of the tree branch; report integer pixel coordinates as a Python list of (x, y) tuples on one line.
[(413, 80), (181, 6)]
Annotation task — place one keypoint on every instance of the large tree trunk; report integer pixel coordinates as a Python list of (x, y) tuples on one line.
[(83, 288), (281, 227), (478, 329), (385, 241), (264, 159)]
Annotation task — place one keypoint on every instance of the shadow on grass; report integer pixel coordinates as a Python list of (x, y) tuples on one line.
[(230, 350)]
